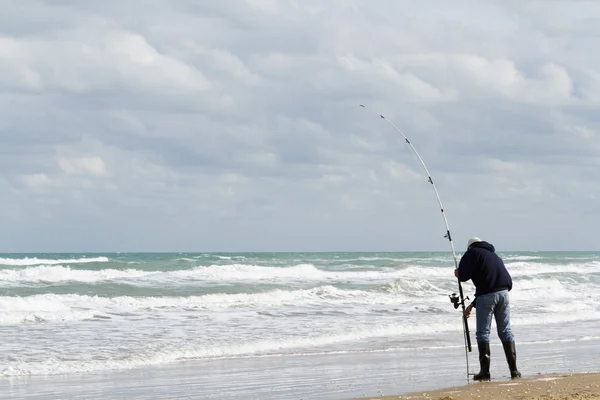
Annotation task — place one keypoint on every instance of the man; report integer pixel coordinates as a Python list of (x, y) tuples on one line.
[(492, 283)]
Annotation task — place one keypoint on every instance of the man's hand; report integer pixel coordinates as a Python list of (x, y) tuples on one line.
[(456, 272), (468, 310)]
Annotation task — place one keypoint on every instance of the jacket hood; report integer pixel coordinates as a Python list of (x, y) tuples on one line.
[(484, 245)]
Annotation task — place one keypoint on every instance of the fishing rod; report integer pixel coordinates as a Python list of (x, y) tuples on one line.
[(454, 299)]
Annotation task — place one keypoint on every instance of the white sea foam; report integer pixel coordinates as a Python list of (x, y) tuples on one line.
[(550, 318), (523, 268), (57, 307), (60, 307), (412, 280), (521, 258), (59, 273), (229, 273), (38, 261), (162, 355), (147, 356)]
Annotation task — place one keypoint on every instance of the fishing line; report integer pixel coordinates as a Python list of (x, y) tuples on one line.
[(453, 298)]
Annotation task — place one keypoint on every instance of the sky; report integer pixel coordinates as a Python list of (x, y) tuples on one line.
[(235, 125)]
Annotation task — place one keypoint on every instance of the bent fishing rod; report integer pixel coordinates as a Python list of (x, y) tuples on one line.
[(457, 301)]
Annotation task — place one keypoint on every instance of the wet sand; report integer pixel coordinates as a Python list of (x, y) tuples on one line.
[(584, 386)]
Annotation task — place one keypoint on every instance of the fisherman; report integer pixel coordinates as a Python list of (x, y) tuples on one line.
[(492, 283)]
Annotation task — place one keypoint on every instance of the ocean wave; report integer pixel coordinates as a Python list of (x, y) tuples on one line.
[(40, 261), (106, 359), (59, 273), (529, 269), (214, 273), (54, 307), (80, 363), (521, 258), (524, 274)]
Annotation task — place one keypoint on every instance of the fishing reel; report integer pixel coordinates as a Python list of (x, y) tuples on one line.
[(454, 299)]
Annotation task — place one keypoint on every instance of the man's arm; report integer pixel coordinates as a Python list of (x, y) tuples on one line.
[(465, 269)]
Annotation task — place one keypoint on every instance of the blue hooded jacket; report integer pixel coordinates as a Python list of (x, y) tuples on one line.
[(485, 268)]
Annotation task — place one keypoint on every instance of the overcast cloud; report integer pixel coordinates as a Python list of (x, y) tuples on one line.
[(234, 125)]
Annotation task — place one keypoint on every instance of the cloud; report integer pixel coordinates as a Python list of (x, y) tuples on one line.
[(110, 62), (82, 165), (235, 125)]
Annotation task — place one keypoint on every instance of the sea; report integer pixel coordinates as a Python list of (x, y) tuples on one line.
[(276, 325)]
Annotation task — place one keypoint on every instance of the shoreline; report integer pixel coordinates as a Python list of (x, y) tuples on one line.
[(557, 386), (406, 374)]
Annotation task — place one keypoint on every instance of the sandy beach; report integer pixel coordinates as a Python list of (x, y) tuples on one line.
[(554, 386)]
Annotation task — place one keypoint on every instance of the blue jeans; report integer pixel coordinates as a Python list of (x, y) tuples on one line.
[(498, 305)]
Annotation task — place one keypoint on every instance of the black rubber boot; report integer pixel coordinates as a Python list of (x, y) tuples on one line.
[(511, 358), (484, 362)]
